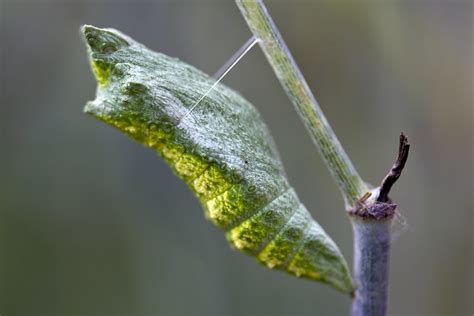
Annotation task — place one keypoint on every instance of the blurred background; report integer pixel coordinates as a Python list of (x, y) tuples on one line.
[(93, 223)]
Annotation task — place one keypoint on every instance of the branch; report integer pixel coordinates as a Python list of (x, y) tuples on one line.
[(371, 265), (371, 222), (295, 86), (371, 218)]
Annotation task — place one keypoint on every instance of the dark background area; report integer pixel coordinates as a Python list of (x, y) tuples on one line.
[(92, 223)]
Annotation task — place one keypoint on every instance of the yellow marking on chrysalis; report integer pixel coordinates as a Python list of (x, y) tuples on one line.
[(211, 183), (156, 138), (279, 250), (255, 232), (248, 235), (300, 269), (303, 263), (226, 207), (172, 151), (190, 166), (102, 73)]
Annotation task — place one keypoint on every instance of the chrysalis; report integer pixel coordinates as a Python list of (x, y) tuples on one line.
[(222, 150)]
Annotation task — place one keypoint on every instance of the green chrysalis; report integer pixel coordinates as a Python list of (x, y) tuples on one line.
[(222, 150)]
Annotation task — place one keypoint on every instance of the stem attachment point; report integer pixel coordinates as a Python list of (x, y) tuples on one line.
[(381, 206)]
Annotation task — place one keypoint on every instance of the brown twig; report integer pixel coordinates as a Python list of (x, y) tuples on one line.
[(396, 170)]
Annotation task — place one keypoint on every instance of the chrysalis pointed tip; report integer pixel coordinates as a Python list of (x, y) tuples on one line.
[(103, 41)]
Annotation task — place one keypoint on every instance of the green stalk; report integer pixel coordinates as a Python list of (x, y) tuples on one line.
[(261, 24)]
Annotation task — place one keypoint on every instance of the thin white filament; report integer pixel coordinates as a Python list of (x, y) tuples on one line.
[(236, 57), (224, 70)]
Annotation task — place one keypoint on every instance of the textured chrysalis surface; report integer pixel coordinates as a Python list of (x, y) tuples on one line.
[(222, 150)]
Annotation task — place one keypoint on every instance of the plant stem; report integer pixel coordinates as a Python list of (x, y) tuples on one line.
[(371, 261), (371, 221), (295, 86), (372, 212)]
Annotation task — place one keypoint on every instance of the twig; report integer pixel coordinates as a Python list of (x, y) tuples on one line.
[(294, 84), (371, 222), (396, 170)]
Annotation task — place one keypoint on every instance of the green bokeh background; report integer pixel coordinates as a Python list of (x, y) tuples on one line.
[(92, 223)]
